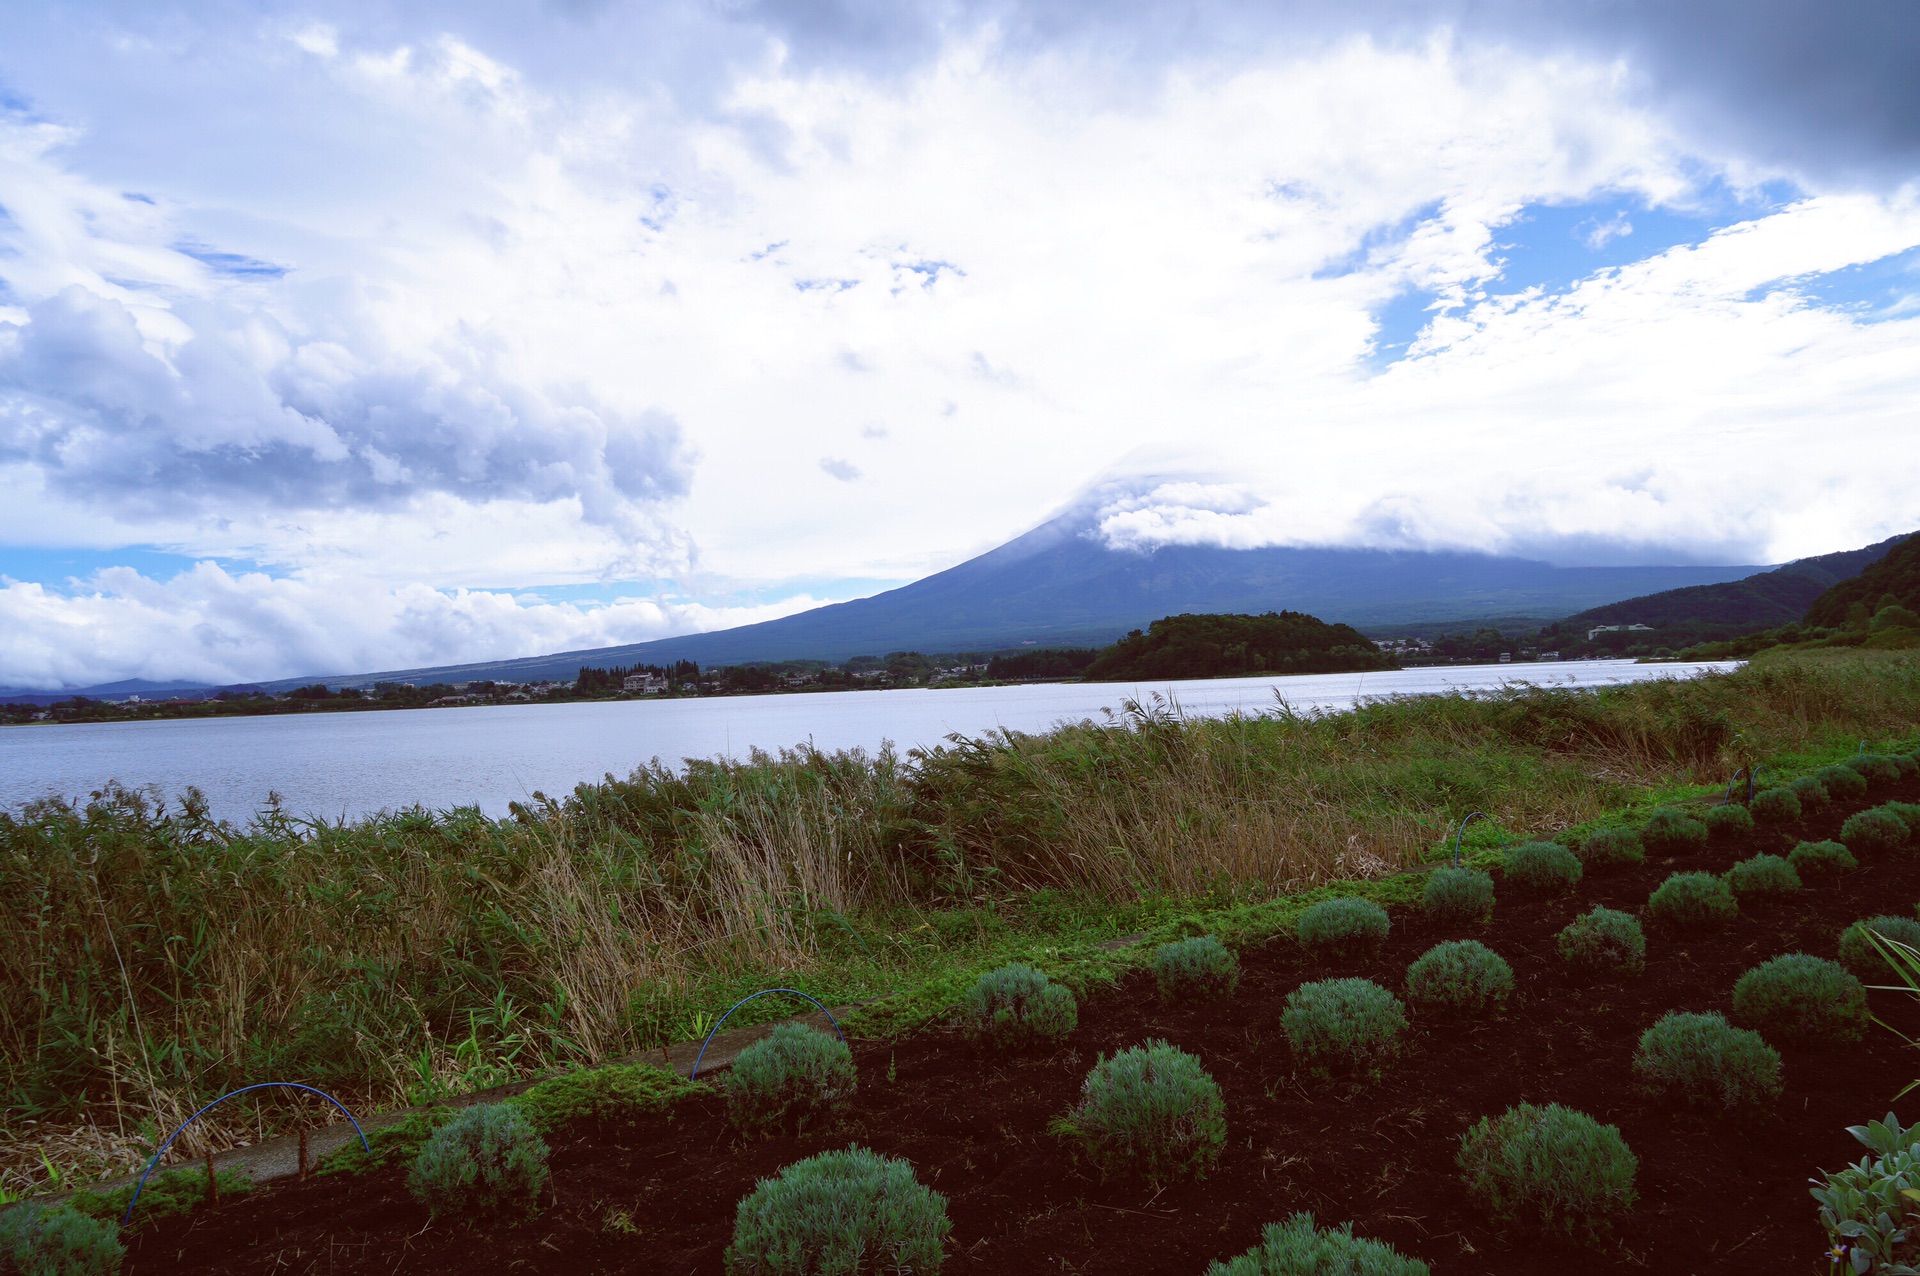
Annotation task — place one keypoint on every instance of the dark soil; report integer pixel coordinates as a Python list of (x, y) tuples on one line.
[(1725, 1194)]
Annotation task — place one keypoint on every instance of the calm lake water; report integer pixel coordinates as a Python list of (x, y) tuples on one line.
[(350, 764)]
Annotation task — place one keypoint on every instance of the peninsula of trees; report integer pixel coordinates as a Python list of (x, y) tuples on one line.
[(1234, 646)]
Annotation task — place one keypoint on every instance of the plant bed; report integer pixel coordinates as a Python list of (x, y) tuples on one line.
[(658, 1193)]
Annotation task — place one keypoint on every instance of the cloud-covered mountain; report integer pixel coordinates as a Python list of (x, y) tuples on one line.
[(1064, 584)]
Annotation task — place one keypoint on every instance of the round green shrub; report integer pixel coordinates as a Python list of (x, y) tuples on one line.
[(1908, 813), (1878, 770), (1343, 1025), (1798, 996), (1810, 791), (1458, 895), (1550, 1168), (1543, 867), (1857, 952), (1344, 926), (1151, 1111), (1906, 764), (1763, 878), (1775, 806), (1605, 942), (486, 1162), (1201, 966), (37, 1241), (1463, 977), (786, 1081), (1297, 1248), (1879, 829), (1730, 820), (843, 1213), (1611, 848), (1671, 831), (1843, 783), (1017, 1005), (1688, 901), (1704, 1060), (1821, 859)]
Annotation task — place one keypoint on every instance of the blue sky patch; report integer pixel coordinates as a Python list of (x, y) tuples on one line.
[(233, 265), (1552, 247), (55, 567), (1870, 292)]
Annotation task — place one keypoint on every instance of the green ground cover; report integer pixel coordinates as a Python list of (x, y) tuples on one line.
[(153, 958)]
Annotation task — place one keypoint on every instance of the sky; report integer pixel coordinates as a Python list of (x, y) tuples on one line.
[(341, 338)]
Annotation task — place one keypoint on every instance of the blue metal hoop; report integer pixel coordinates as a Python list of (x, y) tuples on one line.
[(764, 992), (263, 1085), (1461, 831), (1752, 773)]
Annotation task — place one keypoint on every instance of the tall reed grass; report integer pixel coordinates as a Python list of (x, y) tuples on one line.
[(151, 957)]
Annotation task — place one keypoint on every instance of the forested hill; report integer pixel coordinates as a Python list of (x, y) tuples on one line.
[(1763, 601), (1895, 575), (1225, 646)]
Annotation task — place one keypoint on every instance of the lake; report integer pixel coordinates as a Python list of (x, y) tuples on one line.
[(352, 764)]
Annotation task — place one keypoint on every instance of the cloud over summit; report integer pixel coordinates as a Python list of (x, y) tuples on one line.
[(719, 306)]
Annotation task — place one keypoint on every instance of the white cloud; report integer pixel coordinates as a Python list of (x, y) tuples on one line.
[(211, 626), (532, 330)]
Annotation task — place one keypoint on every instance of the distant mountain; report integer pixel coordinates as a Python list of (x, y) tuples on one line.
[(105, 691), (1897, 573), (1059, 585), (1763, 601)]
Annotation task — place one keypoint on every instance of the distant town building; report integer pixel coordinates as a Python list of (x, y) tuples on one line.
[(1617, 629), (647, 684), (1506, 657)]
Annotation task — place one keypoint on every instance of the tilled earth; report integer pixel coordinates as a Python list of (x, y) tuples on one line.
[(1717, 1194)]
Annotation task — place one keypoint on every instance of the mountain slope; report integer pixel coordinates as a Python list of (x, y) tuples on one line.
[(1762, 601), (1059, 586), (1896, 573)]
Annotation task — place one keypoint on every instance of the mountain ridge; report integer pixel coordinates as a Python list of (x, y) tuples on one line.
[(1058, 585), (1764, 600)]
